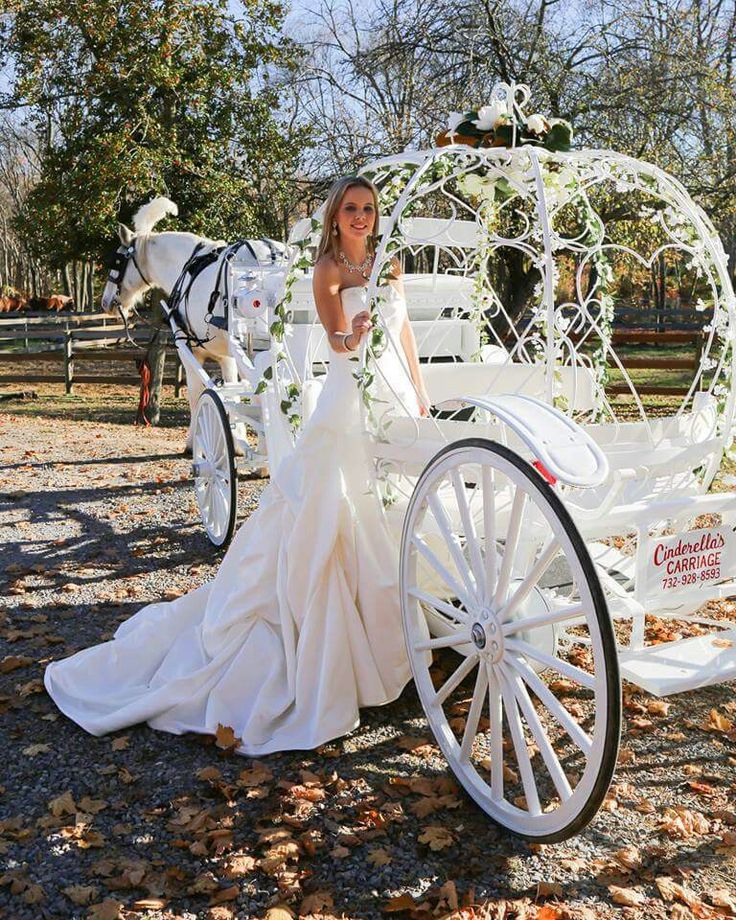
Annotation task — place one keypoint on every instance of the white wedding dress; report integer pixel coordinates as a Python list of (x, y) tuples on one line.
[(301, 625)]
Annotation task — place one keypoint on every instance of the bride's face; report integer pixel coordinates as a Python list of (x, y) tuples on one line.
[(356, 215)]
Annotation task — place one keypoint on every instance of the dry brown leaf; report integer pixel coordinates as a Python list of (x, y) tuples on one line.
[(628, 857), (120, 744), (105, 910), (149, 904), (629, 897), (279, 912), (34, 894), (722, 643), (684, 823), (81, 894), (35, 749), (437, 837), (548, 890), (379, 857), (256, 776), (209, 774), (225, 894), (12, 662), (63, 804), (400, 903), (239, 864), (316, 903), (339, 852), (722, 897), (225, 738)]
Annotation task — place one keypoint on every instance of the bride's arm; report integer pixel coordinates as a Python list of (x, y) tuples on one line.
[(409, 344), (326, 290)]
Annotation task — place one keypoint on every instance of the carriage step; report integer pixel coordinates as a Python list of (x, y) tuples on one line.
[(673, 667)]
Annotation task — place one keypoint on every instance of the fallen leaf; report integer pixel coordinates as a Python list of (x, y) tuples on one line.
[(81, 894), (339, 852), (105, 910), (35, 749), (400, 903), (279, 912), (12, 662), (379, 857), (629, 897), (225, 738), (149, 904), (437, 837), (548, 889), (120, 744), (63, 804), (316, 903), (628, 857), (225, 894)]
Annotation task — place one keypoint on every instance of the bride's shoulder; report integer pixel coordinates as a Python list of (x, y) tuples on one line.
[(326, 276)]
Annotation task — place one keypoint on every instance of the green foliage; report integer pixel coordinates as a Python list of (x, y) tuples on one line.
[(136, 99)]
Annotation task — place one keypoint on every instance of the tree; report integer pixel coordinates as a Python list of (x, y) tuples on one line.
[(134, 99)]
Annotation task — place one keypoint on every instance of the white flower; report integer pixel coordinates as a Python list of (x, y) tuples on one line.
[(537, 123), (489, 116), (455, 118)]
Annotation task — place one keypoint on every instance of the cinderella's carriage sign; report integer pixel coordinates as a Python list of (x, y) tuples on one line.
[(546, 530)]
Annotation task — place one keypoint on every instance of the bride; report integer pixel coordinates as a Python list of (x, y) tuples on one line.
[(301, 625)]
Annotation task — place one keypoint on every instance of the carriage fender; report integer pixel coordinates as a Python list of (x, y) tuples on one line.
[(564, 448)]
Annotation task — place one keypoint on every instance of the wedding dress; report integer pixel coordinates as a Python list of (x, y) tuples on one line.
[(301, 625)]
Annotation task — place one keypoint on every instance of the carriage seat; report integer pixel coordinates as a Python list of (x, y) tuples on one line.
[(447, 381)]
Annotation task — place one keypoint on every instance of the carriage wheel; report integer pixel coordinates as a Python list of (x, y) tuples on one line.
[(213, 464), (510, 640)]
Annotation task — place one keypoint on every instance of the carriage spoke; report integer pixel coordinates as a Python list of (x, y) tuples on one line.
[(489, 532), (545, 560), (471, 537), (453, 544), (564, 667), (513, 718), (578, 735), (495, 715), (454, 680), (442, 606), (454, 640), (572, 612), (536, 728), (512, 542), (449, 580), (476, 707)]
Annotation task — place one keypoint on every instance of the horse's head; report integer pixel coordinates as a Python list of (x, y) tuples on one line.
[(130, 276)]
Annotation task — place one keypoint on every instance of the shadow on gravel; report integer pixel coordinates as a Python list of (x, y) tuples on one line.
[(92, 461)]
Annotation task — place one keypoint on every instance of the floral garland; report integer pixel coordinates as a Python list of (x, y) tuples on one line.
[(502, 125)]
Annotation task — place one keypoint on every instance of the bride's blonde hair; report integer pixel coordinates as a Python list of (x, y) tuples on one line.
[(329, 242)]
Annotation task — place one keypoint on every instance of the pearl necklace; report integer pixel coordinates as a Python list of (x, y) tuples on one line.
[(361, 269)]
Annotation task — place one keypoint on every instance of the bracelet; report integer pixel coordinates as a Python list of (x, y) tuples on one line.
[(345, 342)]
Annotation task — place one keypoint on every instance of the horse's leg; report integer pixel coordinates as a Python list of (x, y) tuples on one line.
[(195, 388)]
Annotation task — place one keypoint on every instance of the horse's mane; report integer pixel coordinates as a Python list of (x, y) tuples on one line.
[(148, 215)]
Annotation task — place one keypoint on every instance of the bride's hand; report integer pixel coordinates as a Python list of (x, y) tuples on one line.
[(361, 326)]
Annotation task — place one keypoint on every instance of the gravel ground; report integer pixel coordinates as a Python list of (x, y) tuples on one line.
[(98, 519)]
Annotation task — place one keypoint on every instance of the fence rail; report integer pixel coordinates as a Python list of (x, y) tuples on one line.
[(72, 347), (69, 348)]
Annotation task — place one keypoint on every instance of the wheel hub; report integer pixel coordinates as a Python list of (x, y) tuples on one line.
[(487, 635)]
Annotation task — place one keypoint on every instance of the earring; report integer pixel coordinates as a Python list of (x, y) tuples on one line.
[(334, 228)]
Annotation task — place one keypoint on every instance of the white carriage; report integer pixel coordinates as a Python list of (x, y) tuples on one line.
[(545, 529)]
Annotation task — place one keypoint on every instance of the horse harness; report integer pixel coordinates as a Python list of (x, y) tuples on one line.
[(197, 262)]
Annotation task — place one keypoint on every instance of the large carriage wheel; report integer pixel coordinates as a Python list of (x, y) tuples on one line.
[(213, 463), (510, 640)]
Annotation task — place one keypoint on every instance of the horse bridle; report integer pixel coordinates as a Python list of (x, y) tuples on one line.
[(122, 257)]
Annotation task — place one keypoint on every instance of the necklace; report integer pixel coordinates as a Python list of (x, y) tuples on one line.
[(365, 265)]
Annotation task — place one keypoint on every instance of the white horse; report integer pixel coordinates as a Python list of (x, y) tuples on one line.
[(155, 260)]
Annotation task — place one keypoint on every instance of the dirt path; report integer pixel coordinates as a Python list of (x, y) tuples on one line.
[(98, 519)]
